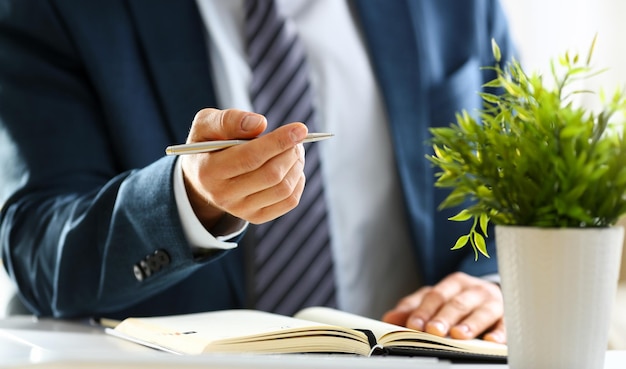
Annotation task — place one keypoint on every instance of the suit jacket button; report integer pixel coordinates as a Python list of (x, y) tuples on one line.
[(162, 257), (145, 267), (138, 272), (158, 260)]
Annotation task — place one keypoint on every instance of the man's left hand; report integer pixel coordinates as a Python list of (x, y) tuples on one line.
[(460, 306)]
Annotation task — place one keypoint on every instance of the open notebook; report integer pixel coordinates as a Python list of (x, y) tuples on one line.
[(315, 329)]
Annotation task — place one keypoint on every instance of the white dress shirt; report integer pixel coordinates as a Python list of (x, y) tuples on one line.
[(374, 264)]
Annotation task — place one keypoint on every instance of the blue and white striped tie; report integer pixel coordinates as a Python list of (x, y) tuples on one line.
[(293, 262)]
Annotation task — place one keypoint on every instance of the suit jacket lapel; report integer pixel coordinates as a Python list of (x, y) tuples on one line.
[(392, 32), (171, 33)]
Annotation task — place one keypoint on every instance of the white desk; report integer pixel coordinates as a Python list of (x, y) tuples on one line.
[(26, 342)]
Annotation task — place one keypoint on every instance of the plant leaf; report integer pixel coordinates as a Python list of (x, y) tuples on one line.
[(461, 216), (496, 50), (462, 241), (481, 245), (484, 221)]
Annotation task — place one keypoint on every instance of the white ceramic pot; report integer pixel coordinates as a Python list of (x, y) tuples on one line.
[(559, 286)]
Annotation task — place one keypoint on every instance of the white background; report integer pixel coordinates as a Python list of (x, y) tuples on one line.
[(545, 29)]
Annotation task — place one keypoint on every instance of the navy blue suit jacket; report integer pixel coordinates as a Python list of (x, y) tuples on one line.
[(91, 92)]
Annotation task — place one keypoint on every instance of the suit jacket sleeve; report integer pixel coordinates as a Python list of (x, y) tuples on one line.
[(77, 220)]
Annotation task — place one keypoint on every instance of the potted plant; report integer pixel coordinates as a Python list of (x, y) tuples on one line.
[(550, 174)]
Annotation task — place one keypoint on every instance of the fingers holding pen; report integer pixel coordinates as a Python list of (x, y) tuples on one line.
[(284, 144), (257, 181), (266, 191)]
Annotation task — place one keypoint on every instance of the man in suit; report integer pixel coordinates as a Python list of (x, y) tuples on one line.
[(92, 92)]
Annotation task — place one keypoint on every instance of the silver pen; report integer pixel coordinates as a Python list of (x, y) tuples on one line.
[(208, 146)]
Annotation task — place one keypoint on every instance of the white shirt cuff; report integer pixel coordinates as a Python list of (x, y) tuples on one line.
[(197, 236), (494, 277)]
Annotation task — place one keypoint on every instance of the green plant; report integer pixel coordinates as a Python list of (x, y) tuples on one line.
[(532, 156)]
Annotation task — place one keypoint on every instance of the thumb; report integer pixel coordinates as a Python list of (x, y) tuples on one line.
[(214, 124)]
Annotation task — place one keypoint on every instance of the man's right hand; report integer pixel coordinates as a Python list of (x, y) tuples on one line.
[(257, 181)]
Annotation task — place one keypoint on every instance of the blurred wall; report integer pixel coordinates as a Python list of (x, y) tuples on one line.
[(545, 29)]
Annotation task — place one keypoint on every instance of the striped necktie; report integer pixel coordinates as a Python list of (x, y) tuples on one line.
[(293, 262)]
